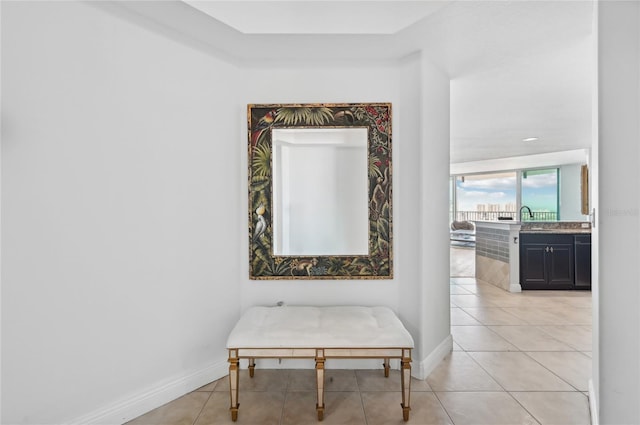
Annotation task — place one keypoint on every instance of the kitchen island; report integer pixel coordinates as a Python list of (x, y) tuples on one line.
[(497, 254), (553, 255)]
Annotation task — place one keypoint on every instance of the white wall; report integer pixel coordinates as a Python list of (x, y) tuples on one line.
[(120, 194), (618, 229), (313, 83), (410, 293), (124, 247), (570, 199), (434, 213)]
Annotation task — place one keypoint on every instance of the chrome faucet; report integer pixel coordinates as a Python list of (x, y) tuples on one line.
[(528, 209)]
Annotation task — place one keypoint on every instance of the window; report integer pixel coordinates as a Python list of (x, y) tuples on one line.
[(499, 195), (486, 196), (540, 193)]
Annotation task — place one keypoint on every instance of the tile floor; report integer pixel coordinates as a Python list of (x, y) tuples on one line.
[(517, 359)]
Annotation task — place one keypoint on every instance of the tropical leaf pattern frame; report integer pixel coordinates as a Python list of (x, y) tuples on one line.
[(261, 120)]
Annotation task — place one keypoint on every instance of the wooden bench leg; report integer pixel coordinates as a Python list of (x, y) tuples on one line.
[(252, 367), (233, 383), (320, 383), (387, 366), (405, 377)]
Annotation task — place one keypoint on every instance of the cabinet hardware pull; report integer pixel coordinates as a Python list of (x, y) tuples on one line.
[(551, 249)]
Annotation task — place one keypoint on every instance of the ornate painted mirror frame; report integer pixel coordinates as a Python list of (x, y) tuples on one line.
[(376, 118)]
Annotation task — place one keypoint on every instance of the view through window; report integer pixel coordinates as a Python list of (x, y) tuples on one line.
[(540, 193), (494, 196), (486, 196)]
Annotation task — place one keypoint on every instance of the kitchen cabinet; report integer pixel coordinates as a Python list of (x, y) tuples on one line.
[(583, 261), (547, 261)]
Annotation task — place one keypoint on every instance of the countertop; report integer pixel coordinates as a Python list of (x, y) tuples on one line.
[(563, 231), (561, 227)]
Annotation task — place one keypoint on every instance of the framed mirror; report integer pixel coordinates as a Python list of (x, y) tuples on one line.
[(320, 191)]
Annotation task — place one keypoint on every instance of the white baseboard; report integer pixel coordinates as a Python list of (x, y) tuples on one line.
[(515, 287), (131, 407), (593, 404), (426, 366)]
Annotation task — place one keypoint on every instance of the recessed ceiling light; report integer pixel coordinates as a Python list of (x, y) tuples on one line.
[(530, 139)]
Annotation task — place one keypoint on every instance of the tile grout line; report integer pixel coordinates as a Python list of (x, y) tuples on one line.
[(203, 406), (364, 411), (443, 407), (552, 372), (286, 395)]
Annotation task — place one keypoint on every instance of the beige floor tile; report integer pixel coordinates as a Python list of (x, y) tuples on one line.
[(459, 290), (545, 299), (339, 408), (462, 261), (334, 380), (519, 372), (480, 338), (578, 300), (341, 380), (470, 301), (459, 372), (302, 380), (460, 317), (555, 408), (182, 411), (374, 380), (420, 385), (209, 387), (222, 384), (484, 408), (382, 408), (505, 299), (456, 347), (573, 367), (537, 316), (472, 289), (573, 315), (256, 408), (464, 280), (493, 316), (577, 336), (263, 380), (530, 338)]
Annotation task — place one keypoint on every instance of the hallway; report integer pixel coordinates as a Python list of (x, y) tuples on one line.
[(517, 359)]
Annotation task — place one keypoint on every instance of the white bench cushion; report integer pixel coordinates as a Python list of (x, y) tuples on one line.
[(319, 327)]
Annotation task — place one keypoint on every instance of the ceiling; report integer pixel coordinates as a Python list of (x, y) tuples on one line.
[(519, 69), (318, 16)]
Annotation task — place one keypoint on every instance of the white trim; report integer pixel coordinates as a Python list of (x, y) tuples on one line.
[(593, 404), (125, 409), (515, 287), (428, 365), (131, 407)]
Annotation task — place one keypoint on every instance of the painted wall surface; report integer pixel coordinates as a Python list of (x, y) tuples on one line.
[(300, 83), (124, 233), (118, 185), (570, 201), (296, 83), (619, 212), (434, 217)]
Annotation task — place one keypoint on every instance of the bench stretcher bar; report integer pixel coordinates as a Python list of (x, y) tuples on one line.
[(320, 355)]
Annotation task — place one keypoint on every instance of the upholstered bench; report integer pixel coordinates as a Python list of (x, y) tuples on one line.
[(319, 333)]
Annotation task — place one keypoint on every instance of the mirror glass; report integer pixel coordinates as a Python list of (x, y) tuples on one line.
[(320, 191)]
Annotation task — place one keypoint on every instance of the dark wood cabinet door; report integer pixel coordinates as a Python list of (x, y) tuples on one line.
[(533, 273), (560, 265)]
